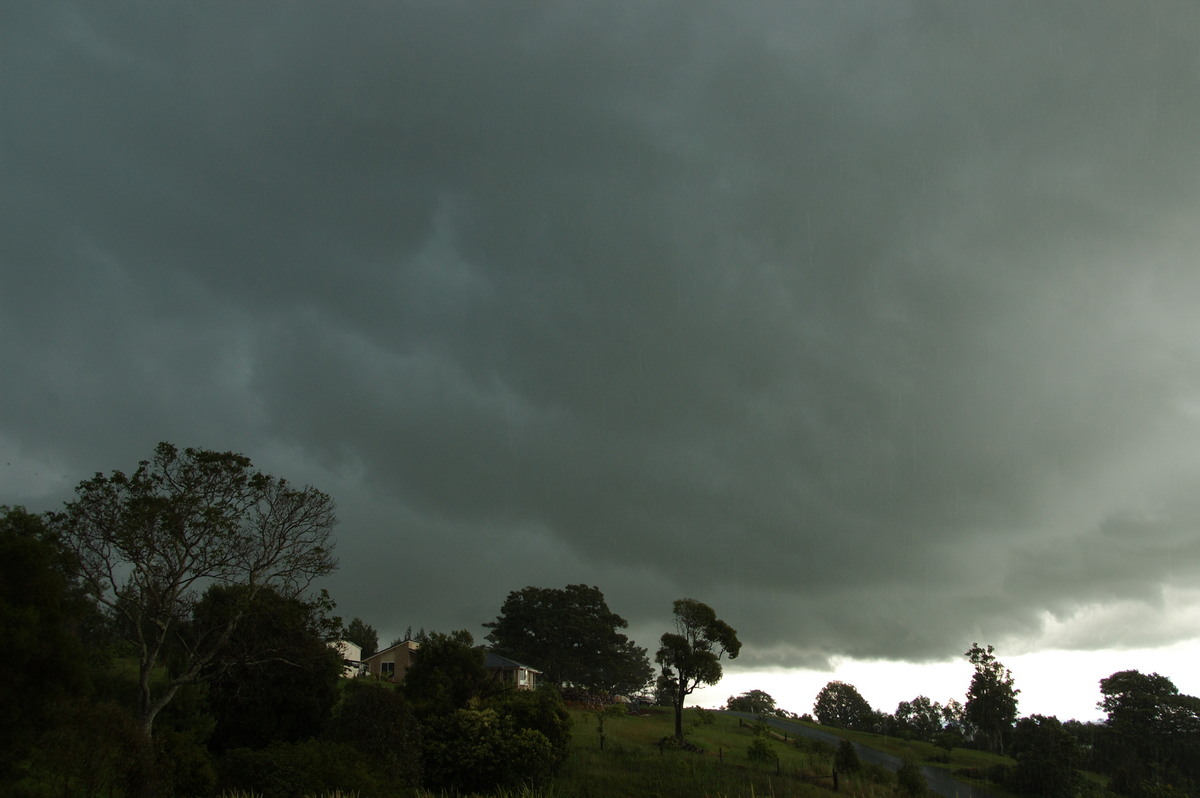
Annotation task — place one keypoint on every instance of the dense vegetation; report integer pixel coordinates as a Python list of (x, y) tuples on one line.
[(162, 641)]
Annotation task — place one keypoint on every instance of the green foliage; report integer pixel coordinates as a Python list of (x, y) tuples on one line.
[(919, 719), (147, 542), (991, 698), (40, 612), (446, 674), (480, 751), (1152, 736), (362, 635), (846, 760), (543, 711), (377, 720), (275, 679), (287, 770), (691, 656), (1047, 758), (184, 767), (761, 751), (910, 780), (93, 749), (571, 635), (841, 705), (756, 701)]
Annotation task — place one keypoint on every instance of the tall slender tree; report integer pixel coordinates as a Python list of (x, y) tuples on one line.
[(991, 699), (691, 656), (363, 635)]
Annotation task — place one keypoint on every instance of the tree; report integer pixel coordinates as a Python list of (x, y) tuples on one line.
[(40, 610), (755, 701), (991, 699), (1152, 735), (1048, 758), (571, 635), (691, 656), (841, 705), (446, 674), (362, 635), (147, 543), (276, 678), (919, 719)]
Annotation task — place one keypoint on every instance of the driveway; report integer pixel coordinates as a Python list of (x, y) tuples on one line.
[(938, 779)]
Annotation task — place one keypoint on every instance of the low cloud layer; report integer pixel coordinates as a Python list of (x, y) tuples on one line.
[(874, 325)]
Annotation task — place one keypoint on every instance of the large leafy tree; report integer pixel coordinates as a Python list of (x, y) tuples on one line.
[(756, 701), (40, 613), (691, 655), (148, 543), (1152, 734), (1048, 757), (841, 705), (446, 674), (276, 677), (991, 698), (570, 635), (919, 719)]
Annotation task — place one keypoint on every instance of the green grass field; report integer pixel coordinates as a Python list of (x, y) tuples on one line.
[(634, 765)]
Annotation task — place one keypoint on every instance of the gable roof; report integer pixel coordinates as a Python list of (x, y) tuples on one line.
[(497, 661)]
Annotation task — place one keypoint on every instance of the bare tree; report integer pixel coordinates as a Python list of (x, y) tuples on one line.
[(151, 542)]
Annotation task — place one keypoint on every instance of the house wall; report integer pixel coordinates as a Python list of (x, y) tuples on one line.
[(391, 664), (351, 656)]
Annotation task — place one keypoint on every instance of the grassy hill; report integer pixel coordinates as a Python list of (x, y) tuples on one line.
[(634, 764)]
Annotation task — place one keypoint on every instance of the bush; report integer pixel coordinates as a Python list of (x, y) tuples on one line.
[(377, 720), (910, 780), (184, 768), (481, 751), (94, 749), (291, 770), (846, 760), (542, 710), (761, 751)]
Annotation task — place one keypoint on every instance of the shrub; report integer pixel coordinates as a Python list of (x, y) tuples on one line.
[(377, 720), (761, 751), (481, 751), (288, 770), (910, 780), (94, 748), (846, 759), (542, 710)]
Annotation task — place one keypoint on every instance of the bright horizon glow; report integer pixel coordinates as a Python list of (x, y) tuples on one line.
[(1065, 684)]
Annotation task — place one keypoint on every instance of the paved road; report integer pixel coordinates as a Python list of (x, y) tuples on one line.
[(939, 780)]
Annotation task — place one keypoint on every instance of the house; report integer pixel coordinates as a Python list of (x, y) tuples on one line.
[(351, 657), (391, 663), (511, 672)]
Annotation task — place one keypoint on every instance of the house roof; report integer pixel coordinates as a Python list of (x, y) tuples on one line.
[(497, 661), (411, 645)]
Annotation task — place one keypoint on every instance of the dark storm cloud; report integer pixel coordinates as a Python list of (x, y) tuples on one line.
[(871, 325)]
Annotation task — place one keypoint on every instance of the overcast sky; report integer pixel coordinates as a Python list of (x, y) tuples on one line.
[(875, 326)]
